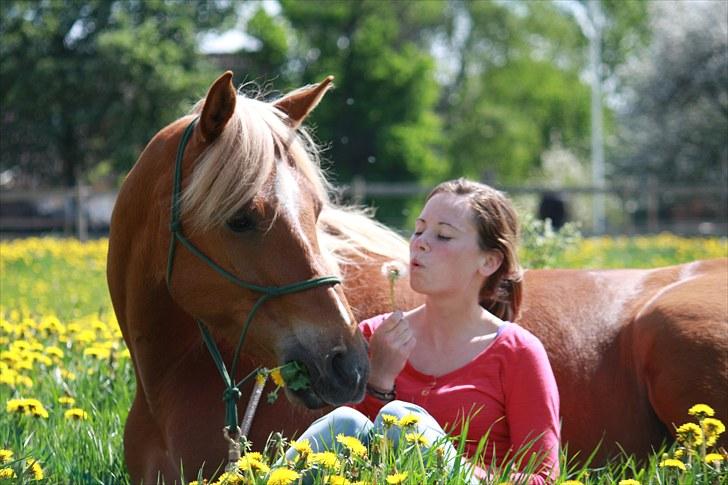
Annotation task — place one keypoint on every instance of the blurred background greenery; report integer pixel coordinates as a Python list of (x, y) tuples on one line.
[(425, 90)]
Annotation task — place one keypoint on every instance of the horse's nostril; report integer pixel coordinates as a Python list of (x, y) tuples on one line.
[(338, 365), (345, 370)]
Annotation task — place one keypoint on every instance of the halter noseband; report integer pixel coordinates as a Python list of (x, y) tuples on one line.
[(232, 391)]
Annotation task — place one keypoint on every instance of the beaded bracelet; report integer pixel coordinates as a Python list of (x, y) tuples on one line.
[(385, 396)]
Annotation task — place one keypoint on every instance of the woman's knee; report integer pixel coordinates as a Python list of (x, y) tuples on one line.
[(399, 409), (343, 420), (347, 415)]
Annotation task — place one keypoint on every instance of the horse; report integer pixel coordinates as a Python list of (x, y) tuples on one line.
[(228, 206)]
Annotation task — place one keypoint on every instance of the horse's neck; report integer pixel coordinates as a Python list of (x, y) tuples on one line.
[(171, 355)]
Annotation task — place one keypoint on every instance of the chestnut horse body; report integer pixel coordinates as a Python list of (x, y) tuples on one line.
[(632, 350)]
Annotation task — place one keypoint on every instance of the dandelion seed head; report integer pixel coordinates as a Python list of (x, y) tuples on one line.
[(393, 270)]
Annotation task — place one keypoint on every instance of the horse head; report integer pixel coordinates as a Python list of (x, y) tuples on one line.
[(244, 226)]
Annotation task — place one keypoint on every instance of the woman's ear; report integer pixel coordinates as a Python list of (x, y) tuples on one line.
[(492, 260)]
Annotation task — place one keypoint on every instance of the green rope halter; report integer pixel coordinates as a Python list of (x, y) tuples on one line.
[(231, 395)]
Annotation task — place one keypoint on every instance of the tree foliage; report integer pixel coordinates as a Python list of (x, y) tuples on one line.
[(90, 81), (424, 90), (380, 119), (675, 119)]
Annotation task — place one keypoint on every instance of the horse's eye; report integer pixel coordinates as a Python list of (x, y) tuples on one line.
[(240, 223)]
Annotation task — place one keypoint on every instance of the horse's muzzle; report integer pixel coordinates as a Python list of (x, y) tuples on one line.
[(337, 377)]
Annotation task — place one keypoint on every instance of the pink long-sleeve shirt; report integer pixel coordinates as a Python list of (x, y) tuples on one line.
[(508, 390)]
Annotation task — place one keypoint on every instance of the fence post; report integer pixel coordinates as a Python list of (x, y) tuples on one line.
[(358, 189), (81, 221), (653, 217)]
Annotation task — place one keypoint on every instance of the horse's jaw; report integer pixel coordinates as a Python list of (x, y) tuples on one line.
[(306, 397)]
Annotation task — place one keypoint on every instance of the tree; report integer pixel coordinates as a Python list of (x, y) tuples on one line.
[(675, 115), (85, 82), (515, 85), (380, 120)]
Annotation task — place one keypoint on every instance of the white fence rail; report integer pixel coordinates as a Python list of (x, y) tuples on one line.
[(687, 210)]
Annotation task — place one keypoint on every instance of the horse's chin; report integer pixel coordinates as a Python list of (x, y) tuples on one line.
[(307, 397)]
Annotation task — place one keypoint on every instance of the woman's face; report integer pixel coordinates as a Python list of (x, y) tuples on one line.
[(444, 254)]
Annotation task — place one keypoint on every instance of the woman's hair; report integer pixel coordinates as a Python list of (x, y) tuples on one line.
[(497, 226)]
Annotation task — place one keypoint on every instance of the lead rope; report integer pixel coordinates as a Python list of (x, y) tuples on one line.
[(231, 432)]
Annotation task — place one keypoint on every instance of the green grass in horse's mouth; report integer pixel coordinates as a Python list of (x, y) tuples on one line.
[(295, 375)]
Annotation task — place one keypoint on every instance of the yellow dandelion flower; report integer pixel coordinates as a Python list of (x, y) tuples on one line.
[(67, 400), (396, 478), (629, 481), (14, 406), (388, 420), (303, 447), (572, 482), (67, 374), (712, 428), (701, 411), (679, 453), (97, 352), (230, 478), (6, 456), (24, 381), (713, 458), (35, 469), (255, 455), (326, 459), (354, 445), (416, 439), (409, 420), (690, 435), (260, 378), (671, 463), (253, 462), (275, 374), (28, 407), (337, 480), (283, 476), (76, 413), (36, 408), (6, 473)]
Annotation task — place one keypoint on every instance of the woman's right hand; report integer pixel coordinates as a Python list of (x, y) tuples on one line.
[(389, 348)]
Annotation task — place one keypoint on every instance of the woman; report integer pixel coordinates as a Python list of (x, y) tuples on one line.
[(459, 357)]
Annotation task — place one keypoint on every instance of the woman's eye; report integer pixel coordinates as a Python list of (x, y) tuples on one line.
[(240, 223), (417, 233), (443, 238)]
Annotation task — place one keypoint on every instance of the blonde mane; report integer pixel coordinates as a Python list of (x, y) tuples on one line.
[(236, 166)]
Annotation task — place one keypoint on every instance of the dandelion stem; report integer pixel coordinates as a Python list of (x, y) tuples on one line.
[(391, 294)]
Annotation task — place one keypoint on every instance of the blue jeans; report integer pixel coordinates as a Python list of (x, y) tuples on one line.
[(350, 422)]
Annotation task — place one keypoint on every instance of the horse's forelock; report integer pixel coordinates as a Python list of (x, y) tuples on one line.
[(235, 167)]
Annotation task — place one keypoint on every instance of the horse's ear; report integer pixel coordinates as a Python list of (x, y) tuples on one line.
[(219, 107), (299, 103)]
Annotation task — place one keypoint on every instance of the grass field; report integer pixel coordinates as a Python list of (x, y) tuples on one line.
[(67, 381)]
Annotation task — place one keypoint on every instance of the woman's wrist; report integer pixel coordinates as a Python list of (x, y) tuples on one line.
[(382, 383), (385, 395)]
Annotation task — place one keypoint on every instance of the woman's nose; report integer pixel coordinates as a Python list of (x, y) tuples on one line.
[(421, 243)]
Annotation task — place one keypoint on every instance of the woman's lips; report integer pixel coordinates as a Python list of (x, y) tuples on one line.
[(415, 264)]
